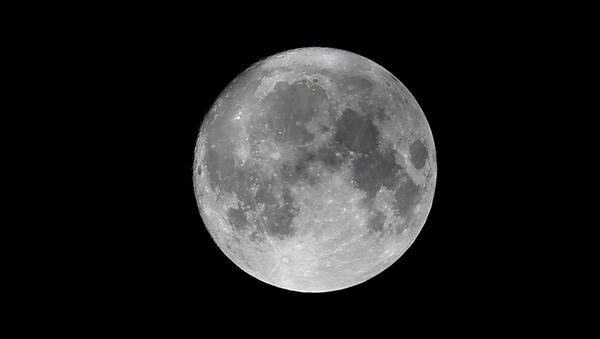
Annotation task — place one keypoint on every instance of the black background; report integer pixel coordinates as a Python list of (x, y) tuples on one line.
[(153, 81)]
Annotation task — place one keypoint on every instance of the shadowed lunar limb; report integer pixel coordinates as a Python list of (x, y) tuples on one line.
[(315, 170)]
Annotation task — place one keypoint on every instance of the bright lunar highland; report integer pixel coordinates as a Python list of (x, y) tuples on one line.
[(315, 169)]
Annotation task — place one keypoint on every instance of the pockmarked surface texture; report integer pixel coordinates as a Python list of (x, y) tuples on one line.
[(315, 170)]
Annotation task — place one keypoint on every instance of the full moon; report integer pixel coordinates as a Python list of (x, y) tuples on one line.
[(314, 170)]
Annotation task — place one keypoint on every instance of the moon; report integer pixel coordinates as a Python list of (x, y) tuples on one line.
[(314, 170)]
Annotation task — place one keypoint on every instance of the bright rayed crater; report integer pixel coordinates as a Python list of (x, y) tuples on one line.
[(315, 170)]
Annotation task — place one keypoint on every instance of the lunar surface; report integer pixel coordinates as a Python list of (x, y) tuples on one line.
[(315, 170)]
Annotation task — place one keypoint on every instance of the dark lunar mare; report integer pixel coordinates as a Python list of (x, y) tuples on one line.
[(332, 157), (279, 218), (418, 153), (407, 196), (376, 222), (356, 132), (289, 107), (237, 217), (284, 107), (219, 159), (358, 86), (374, 170)]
